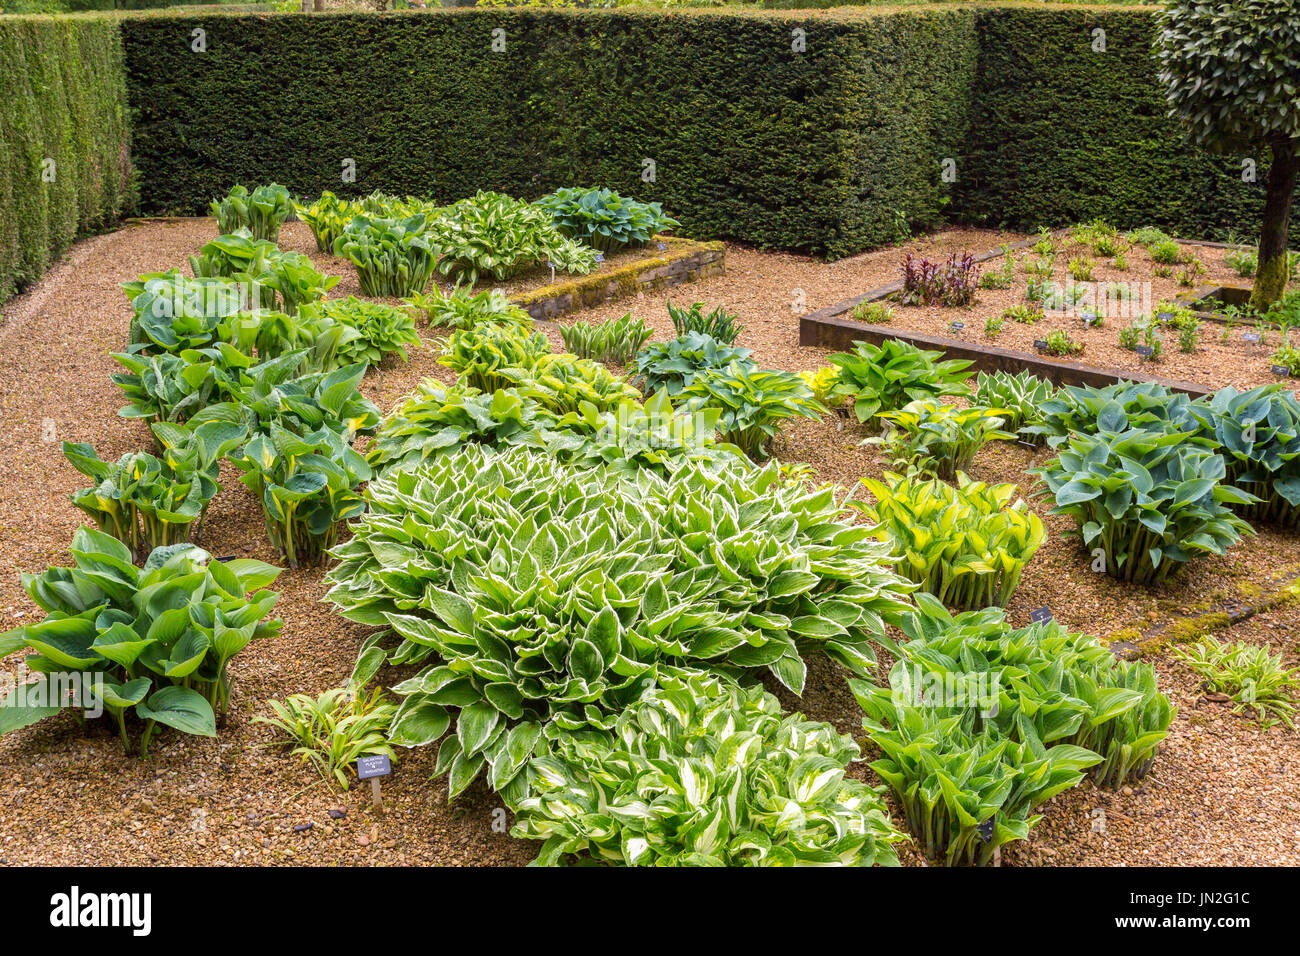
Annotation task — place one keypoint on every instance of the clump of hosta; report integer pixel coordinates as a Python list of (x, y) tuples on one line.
[(1067, 687), (1020, 398), (262, 212), (705, 773), (461, 309), (393, 257), (374, 330), (967, 545), (1258, 434), (327, 217), (543, 599), (938, 438), (153, 640)]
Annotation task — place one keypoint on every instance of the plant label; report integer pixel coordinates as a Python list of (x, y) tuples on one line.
[(374, 766), (1250, 336), (1281, 370), (600, 257), (663, 247), (1026, 444), (1041, 616), (1041, 345), (985, 830), (958, 326), (1164, 317), (1145, 351)]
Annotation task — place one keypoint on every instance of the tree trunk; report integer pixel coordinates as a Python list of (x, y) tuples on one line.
[(1274, 268)]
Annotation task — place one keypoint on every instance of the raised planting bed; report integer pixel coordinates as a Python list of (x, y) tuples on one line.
[(1217, 354), (670, 262)]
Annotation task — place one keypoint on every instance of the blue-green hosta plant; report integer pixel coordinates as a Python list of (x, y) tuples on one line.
[(884, 378), (394, 257), (172, 312), (1146, 405), (614, 341), (491, 234), (307, 486), (1258, 434), (272, 392), (462, 309), (173, 388), (262, 212), (154, 640), (603, 219), (940, 439), (672, 365), (1065, 687), (967, 545), (1020, 397), (147, 502), (705, 773), (753, 402), (327, 217), (379, 330), (541, 599), (1144, 501)]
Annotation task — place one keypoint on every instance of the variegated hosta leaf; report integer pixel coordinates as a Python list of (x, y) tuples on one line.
[(701, 772), (557, 596)]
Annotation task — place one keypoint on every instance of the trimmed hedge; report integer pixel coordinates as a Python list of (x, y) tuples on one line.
[(1063, 134), (63, 97), (810, 150)]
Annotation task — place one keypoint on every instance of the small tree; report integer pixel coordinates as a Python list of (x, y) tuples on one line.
[(1231, 69)]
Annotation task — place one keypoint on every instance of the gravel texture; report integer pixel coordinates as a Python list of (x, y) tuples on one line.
[(1222, 791)]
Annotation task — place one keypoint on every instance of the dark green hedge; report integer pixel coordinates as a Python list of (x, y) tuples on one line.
[(811, 151), (1062, 133), (62, 98)]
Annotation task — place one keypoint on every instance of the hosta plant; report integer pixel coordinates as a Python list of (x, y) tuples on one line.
[(262, 212), (613, 342), (1258, 434), (938, 438), (540, 599), (494, 235), (1087, 410), (307, 486), (719, 324), (147, 502), (967, 545), (332, 730), (327, 217), (884, 378), (705, 773), (481, 356), (270, 334), (965, 792), (153, 640), (672, 365), (380, 330), (1039, 683), (753, 402), (1143, 501), (603, 219), (1020, 397), (241, 257), (461, 309), (274, 393), (394, 257), (1250, 675), (172, 388), (172, 312), (822, 383)]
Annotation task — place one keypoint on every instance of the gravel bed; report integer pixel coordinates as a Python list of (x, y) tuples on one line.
[(1222, 792)]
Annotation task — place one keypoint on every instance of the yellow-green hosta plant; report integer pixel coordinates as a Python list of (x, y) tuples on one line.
[(481, 356), (884, 378), (262, 212), (965, 791), (822, 383), (1047, 684), (752, 402), (564, 383), (940, 439), (332, 730), (1020, 397), (967, 545), (541, 599), (705, 773), (154, 641), (307, 486), (327, 217), (393, 257), (375, 330), (1144, 502), (461, 309)]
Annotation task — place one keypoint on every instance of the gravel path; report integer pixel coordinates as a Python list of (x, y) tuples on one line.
[(1222, 792)]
